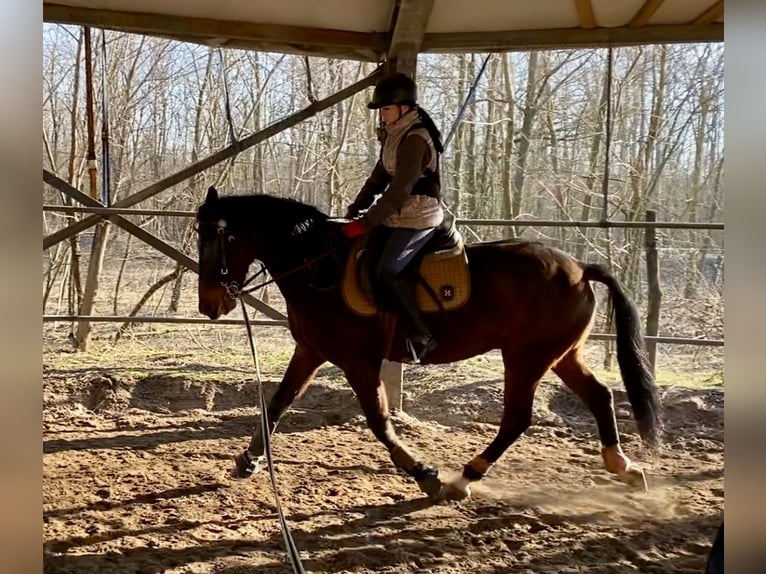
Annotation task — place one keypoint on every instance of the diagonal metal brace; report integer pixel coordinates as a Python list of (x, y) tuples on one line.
[(150, 239), (213, 159)]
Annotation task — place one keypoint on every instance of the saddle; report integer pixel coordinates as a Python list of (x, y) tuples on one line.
[(439, 273)]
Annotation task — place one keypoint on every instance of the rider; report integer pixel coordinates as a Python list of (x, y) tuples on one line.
[(407, 178)]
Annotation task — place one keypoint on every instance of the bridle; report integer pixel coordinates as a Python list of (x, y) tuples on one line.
[(234, 289)]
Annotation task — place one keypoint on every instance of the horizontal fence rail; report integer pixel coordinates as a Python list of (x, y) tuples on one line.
[(600, 224), (460, 221), (274, 323), (117, 210)]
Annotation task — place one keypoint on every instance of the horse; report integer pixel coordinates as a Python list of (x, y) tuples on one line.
[(532, 302)]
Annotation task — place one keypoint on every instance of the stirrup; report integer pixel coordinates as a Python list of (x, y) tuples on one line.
[(426, 348)]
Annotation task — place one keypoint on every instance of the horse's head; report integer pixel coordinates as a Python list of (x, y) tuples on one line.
[(223, 256), (284, 234)]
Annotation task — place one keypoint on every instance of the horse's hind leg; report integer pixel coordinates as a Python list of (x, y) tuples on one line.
[(366, 383), (521, 379), (301, 369), (598, 398)]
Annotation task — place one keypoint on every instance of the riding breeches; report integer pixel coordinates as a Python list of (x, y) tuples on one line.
[(402, 246)]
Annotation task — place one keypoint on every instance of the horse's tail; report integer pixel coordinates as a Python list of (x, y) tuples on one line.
[(634, 364)]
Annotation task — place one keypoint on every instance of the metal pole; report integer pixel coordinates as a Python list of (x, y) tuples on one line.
[(91, 153)]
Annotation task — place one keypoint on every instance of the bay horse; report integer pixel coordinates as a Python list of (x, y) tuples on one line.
[(533, 303)]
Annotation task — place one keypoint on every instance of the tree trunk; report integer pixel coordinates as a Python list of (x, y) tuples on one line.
[(642, 164), (690, 289), (528, 118), (654, 297), (75, 255), (120, 273), (196, 192), (556, 189), (96, 262), (507, 162), (259, 169), (592, 178), (470, 147), (146, 296), (711, 216), (485, 192), (459, 145)]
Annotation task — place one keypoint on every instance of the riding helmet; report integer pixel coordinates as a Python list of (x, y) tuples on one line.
[(396, 89)]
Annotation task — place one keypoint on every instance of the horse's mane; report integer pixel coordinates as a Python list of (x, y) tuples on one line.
[(279, 217)]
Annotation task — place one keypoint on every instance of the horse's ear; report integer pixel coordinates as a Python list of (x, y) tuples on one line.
[(212, 195)]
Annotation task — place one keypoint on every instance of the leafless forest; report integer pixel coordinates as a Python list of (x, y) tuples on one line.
[(531, 145)]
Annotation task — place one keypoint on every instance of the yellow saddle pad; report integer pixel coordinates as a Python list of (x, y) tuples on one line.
[(445, 273)]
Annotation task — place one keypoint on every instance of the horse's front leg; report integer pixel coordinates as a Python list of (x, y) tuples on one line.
[(301, 369), (369, 389)]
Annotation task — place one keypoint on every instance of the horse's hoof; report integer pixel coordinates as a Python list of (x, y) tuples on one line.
[(634, 476), (453, 491), (244, 466), (429, 483)]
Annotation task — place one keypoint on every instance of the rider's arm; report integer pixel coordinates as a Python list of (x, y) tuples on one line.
[(412, 159), (375, 184)]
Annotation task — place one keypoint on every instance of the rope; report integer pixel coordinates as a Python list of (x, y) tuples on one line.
[(468, 98), (292, 549), (287, 537)]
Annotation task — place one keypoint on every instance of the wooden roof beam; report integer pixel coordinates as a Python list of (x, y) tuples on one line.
[(567, 38), (407, 34), (272, 37), (585, 14), (711, 14), (645, 13)]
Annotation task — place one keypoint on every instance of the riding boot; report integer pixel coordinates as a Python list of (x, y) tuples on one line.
[(421, 335)]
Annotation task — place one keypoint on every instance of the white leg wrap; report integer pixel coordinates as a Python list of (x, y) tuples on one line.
[(462, 484)]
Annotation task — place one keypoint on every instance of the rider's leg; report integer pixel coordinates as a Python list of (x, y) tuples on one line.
[(403, 245)]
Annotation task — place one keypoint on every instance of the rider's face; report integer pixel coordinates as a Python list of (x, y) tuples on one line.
[(391, 114)]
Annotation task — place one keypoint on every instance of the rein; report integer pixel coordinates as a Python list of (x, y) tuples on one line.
[(235, 290), (287, 537)]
